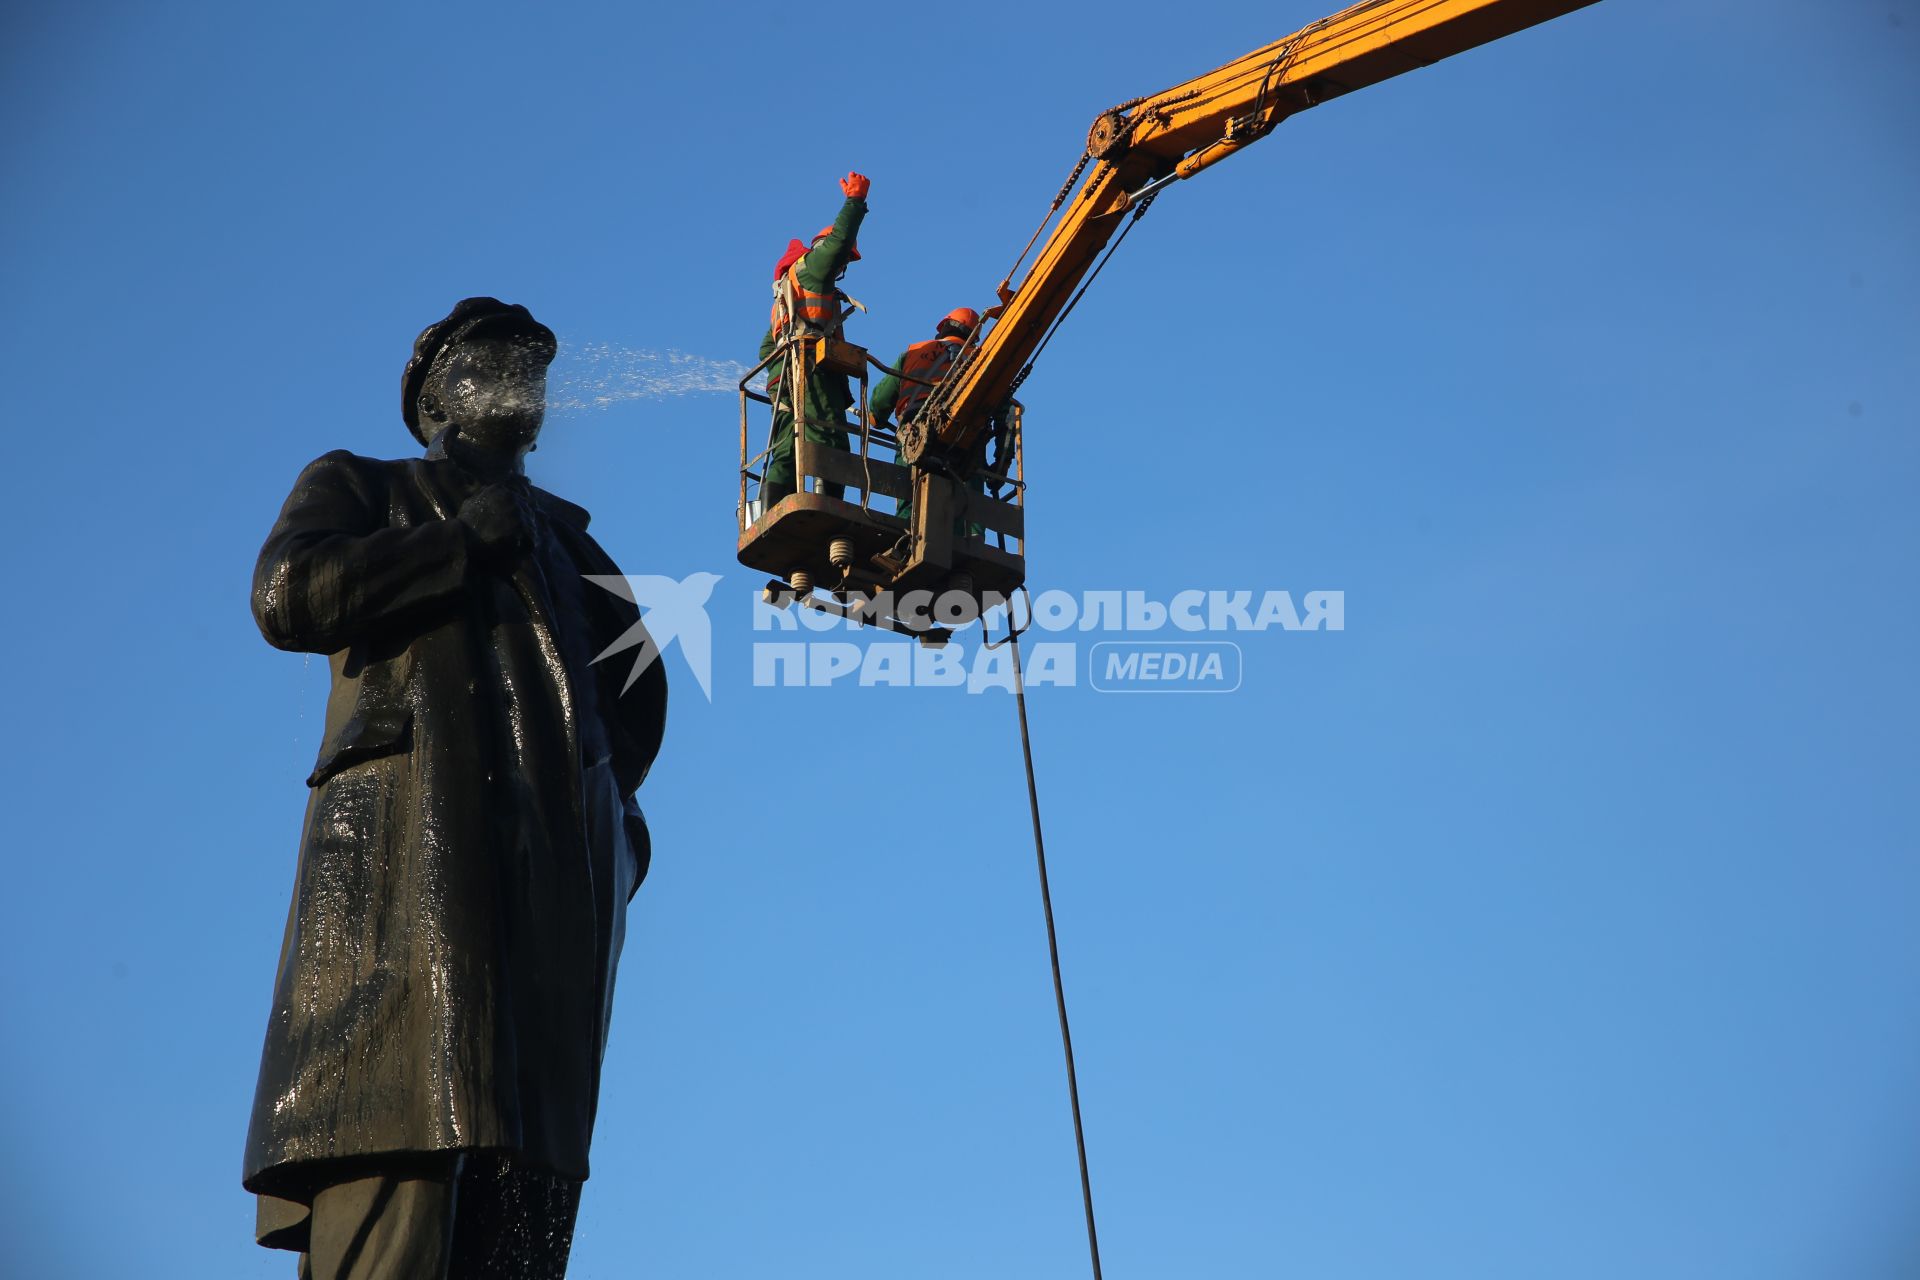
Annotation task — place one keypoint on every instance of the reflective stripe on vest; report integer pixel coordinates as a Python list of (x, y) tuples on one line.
[(819, 312), (929, 362)]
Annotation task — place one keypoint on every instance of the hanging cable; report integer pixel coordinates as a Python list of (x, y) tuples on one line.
[(1012, 641)]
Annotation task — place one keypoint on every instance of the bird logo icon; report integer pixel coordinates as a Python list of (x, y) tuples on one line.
[(669, 611)]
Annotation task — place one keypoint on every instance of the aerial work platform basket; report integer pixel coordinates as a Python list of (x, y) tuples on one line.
[(828, 544)]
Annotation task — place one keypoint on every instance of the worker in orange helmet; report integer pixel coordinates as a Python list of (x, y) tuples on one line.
[(923, 365), (807, 301)]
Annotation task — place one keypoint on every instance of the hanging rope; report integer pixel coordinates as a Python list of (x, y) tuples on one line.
[(1012, 640)]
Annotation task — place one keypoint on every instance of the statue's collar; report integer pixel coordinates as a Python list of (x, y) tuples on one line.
[(439, 451), (555, 507)]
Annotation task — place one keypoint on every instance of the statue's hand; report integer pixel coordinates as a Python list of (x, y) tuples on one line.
[(499, 522)]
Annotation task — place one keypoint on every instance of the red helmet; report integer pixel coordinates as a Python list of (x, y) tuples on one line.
[(960, 320), (853, 250)]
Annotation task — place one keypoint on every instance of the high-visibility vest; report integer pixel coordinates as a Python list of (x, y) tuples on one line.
[(818, 312), (929, 362)]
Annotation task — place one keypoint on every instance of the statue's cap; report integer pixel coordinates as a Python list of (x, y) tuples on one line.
[(470, 318)]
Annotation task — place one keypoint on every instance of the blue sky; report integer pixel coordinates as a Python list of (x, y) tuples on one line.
[(1555, 918)]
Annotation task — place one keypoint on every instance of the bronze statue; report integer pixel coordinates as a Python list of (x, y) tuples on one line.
[(432, 1063)]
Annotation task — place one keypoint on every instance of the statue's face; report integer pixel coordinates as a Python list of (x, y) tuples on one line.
[(493, 389)]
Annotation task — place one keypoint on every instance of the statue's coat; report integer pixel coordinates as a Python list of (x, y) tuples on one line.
[(471, 839)]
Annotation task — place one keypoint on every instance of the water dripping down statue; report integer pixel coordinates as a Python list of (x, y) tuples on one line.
[(432, 1062)]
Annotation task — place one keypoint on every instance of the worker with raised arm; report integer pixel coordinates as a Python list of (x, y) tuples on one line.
[(923, 364), (807, 301)]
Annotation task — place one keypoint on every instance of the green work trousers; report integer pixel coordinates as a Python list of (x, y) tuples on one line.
[(778, 479)]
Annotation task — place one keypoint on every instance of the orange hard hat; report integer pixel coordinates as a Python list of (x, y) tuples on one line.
[(965, 319), (853, 250)]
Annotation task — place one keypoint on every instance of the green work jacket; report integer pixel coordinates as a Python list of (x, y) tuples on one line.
[(829, 396)]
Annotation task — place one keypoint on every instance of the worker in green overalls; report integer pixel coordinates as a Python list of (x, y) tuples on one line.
[(806, 301)]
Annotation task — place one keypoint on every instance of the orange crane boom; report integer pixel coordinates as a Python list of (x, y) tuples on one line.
[(1140, 146)]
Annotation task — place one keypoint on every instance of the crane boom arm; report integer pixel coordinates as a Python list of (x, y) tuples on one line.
[(1144, 144)]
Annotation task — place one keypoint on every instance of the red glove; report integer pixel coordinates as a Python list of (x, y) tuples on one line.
[(856, 186)]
